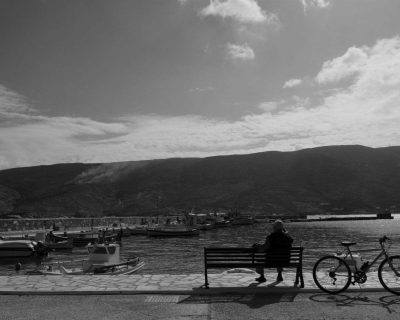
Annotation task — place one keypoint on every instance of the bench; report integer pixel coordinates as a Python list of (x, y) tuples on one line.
[(223, 258)]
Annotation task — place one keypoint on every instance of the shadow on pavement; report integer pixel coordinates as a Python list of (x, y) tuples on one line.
[(251, 300), (342, 300)]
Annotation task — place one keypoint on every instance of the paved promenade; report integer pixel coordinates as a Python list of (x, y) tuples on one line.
[(164, 283)]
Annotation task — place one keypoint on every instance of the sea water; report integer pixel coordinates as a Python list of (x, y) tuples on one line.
[(185, 255)]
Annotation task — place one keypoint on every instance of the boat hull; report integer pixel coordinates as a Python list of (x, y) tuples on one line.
[(13, 253), (172, 233), (122, 269)]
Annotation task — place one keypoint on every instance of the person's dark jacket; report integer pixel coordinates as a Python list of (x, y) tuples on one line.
[(277, 246)]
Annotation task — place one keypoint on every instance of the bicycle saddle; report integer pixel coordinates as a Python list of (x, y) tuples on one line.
[(348, 243)]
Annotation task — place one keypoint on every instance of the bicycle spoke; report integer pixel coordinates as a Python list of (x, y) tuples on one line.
[(388, 273), (331, 274)]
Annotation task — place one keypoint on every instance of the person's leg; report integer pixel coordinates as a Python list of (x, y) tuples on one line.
[(260, 271), (279, 277)]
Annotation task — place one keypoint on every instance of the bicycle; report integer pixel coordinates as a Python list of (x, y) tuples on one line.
[(332, 273)]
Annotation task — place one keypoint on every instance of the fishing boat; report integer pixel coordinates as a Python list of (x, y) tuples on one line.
[(242, 221), (172, 231), (54, 242), (103, 259), (138, 230), (205, 226), (222, 223), (83, 238), (22, 249)]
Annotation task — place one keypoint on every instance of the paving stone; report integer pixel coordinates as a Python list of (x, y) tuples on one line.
[(154, 282)]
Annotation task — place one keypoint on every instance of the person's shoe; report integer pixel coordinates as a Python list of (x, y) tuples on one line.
[(261, 279), (279, 278)]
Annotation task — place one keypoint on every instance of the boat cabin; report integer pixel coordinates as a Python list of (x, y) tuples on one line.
[(103, 254)]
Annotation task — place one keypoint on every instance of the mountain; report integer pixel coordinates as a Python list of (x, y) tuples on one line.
[(333, 178)]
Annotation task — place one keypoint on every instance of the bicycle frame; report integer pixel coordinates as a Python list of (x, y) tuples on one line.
[(366, 270)]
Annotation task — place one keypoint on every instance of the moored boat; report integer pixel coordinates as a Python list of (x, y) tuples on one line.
[(206, 226), (242, 221), (103, 259), (83, 238), (54, 242), (22, 249), (172, 231), (138, 230)]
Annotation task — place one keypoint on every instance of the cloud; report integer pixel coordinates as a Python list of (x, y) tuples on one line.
[(244, 11), (292, 83), (240, 52), (362, 110), (12, 103), (307, 4), (351, 63), (202, 89), (268, 106)]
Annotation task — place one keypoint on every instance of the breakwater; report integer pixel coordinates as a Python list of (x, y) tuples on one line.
[(64, 224)]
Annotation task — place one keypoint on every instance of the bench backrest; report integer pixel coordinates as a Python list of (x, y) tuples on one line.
[(248, 256)]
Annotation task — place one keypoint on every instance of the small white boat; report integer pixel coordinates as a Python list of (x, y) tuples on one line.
[(21, 249), (103, 259)]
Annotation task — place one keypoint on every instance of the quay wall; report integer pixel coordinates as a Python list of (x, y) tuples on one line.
[(64, 224)]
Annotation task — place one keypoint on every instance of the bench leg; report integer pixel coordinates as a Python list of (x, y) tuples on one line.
[(206, 279), (299, 276)]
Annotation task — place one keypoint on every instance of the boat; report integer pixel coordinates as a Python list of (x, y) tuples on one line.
[(222, 223), (138, 230), (83, 238), (172, 231), (242, 221), (54, 242), (205, 226), (103, 258), (22, 249)]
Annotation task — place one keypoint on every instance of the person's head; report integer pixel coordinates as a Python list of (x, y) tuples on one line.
[(277, 226)]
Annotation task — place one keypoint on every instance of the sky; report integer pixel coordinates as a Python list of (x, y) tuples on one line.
[(106, 81)]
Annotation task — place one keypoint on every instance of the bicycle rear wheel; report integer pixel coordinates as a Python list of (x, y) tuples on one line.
[(389, 274), (332, 274)]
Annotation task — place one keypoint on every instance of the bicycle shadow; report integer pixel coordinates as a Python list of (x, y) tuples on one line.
[(343, 300)]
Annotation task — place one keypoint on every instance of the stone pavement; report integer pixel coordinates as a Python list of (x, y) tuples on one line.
[(163, 283)]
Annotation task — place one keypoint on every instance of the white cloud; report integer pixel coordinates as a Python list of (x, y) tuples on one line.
[(268, 106), (351, 63), (12, 103), (307, 4), (202, 89), (245, 11), (364, 110), (240, 52), (292, 83)]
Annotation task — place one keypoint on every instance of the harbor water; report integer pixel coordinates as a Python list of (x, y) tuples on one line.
[(185, 255)]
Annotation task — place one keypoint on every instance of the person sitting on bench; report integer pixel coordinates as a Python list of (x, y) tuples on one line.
[(278, 241)]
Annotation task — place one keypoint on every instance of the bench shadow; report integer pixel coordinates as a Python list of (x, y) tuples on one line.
[(255, 295), (253, 301), (344, 300)]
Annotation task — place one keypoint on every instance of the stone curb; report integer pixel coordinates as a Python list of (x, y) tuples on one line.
[(195, 292)]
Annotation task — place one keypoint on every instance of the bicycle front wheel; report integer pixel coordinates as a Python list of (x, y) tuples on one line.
[(389, 274), (332, 274)]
